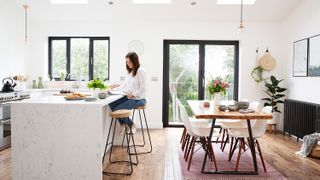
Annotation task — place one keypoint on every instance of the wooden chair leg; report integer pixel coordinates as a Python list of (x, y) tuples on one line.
[(205, 148), (260, 153), (225, 142), (231, 144), (209, 149), (218, 136), (239, 154), (186, 145), (188, 149), (222, 139), (233, 149), (193, 142), (185, 142), (212, 154), (183, 134)]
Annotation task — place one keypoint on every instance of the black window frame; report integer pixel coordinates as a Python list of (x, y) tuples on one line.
[(68, 53), (202, 44)]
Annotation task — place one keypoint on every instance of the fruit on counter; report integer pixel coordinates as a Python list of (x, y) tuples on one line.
[(64, 91)]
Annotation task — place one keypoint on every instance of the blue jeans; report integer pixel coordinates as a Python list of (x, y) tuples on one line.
[(125, 103)]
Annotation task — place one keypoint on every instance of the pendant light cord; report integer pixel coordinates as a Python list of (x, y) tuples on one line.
[(241, 15), (25, 22)]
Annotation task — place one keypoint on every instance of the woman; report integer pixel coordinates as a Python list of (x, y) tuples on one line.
[(134, 88)]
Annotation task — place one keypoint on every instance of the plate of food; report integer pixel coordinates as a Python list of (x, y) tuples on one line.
[(74, 97)]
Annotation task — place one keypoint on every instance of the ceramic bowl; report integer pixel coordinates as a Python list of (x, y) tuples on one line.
[(232, 107), (223, 107), (102, 95), (242, 104)]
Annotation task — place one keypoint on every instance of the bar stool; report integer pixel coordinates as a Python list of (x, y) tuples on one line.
[(142, 108), (128, 133)]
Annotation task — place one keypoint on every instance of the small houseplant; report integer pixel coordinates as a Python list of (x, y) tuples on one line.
[(96, 85), (275, 97), (217, 87)]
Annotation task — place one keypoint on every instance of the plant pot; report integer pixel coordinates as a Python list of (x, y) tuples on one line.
[(96, 92), (275, 119)]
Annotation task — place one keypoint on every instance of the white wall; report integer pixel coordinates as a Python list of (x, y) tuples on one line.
[(152, 34), (12, 47), (302, 23)]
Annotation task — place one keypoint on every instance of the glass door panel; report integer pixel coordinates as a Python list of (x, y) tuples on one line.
[(183, 78), (220, 61)]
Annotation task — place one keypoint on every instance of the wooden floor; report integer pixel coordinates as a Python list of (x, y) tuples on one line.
[(163, 162)]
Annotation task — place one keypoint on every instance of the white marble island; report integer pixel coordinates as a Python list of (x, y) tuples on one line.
[(55, 139)]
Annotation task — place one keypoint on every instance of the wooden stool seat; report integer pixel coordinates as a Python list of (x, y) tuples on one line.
[(141, 107), (122, 113)]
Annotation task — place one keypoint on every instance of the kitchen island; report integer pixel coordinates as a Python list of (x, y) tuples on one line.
[(55, 139)]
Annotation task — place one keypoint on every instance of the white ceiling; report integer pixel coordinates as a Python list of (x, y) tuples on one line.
[(177, 11)]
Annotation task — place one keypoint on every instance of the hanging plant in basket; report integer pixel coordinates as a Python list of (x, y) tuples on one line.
[(257, 74)]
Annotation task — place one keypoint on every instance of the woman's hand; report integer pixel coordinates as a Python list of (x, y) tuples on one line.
[(112, 86), (130, 96)]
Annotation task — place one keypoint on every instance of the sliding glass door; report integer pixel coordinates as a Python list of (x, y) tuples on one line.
[(188, 65)]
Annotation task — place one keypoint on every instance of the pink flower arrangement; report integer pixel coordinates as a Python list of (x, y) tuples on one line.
[(218, 85)]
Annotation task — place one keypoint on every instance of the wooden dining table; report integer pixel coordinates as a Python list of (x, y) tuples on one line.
[(212, 112)]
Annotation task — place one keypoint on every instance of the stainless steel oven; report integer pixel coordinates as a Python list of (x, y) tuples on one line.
[(5, 125)]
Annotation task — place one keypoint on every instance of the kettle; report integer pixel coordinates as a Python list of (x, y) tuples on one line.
[(8, 85)]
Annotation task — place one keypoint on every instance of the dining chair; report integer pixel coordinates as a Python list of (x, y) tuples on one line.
[(198, 134), (254, 105), (241, 134)]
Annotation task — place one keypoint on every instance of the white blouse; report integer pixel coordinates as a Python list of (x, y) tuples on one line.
[(135, 85)]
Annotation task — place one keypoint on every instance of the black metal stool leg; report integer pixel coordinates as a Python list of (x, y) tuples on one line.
[(124, 134), (107, 143), (143, 134), (114, 131), (142, 131), (145, 120), (133, 145), (128, 149)]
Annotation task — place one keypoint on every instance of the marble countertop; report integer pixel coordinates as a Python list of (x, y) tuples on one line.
[(61, 100)]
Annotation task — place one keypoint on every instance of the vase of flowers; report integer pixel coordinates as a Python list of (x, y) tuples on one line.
[(216, 88)]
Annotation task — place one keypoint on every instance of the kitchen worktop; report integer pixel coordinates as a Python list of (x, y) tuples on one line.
[(53, 138), (61, 100)]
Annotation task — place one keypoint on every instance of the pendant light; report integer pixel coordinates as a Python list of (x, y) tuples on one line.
[(25, 7), (241, 26)]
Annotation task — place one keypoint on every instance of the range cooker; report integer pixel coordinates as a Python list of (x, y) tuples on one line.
[(5, 115)]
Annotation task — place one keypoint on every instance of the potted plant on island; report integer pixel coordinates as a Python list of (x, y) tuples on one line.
[(97, 85), (216, 88), (275, 97)]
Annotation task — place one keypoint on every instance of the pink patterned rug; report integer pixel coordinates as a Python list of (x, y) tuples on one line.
[(245, 164)]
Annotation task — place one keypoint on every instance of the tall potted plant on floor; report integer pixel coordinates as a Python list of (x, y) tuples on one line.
[(275, 97)]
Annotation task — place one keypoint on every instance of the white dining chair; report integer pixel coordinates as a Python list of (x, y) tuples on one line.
[(198, 134), (254, 105), (240, 134)]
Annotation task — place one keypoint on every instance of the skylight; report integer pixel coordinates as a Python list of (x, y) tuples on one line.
[(69, 1), (151, 1), (235, 2)]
